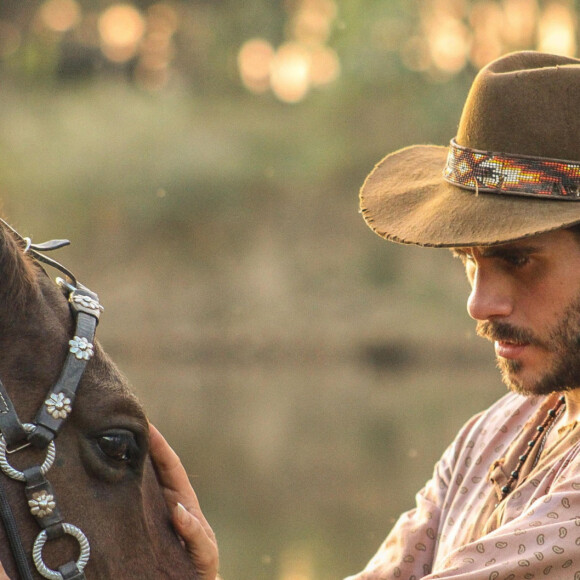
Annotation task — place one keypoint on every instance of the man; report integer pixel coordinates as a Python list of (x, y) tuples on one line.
[(504, 500)]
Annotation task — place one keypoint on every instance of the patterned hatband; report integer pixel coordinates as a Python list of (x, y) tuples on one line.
[(512, 174)]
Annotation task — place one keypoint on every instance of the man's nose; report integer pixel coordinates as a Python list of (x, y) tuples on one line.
[(490, 297)]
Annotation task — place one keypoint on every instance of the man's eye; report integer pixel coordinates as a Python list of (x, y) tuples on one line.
[(516, 260)]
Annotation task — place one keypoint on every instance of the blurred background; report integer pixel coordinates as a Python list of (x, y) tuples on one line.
[(204, 156)]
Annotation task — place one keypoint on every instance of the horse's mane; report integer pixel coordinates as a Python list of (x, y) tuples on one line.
[(17, 273)]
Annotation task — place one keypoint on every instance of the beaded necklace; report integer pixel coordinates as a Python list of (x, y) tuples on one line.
[(541, 431)]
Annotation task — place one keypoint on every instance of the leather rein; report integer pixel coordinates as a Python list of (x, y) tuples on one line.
[(41, 433)]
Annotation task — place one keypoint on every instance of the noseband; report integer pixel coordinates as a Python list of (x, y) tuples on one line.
[(40, 434)]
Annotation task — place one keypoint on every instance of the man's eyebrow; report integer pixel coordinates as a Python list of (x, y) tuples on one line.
[(506, 250), (499, 251)]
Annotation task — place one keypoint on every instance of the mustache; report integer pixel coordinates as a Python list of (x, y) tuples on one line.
[(502, 331)]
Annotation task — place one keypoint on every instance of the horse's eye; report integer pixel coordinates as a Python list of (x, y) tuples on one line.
[(119, 446)]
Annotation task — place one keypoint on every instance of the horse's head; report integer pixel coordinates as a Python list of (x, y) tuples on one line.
[(102, 478)]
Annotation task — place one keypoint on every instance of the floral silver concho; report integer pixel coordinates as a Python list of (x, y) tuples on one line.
[(58, 406), (42, 504), (81, 348), (86, 302)]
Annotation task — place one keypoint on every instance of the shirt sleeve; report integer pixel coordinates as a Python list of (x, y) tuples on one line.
[(409, 549), (542, 542)]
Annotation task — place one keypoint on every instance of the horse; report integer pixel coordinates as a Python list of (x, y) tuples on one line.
[(101, 481)]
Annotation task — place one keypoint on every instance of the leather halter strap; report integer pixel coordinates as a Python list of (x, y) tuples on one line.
[(58, 404), (53, 413), (49, 420)]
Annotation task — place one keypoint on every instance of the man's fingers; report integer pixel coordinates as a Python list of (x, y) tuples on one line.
[(171, 473), (177, 490), (200, 545)]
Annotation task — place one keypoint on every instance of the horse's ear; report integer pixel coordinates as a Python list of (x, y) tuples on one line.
[(17, 273)]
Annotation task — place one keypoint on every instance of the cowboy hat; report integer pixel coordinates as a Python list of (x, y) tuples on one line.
[(512, 171)]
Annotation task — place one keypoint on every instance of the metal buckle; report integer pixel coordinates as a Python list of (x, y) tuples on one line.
[(19, 475), (17, 449)]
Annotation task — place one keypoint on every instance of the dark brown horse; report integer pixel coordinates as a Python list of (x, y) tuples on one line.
[(102, 476)]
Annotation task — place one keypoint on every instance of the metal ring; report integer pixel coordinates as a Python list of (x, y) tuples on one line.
[(19, 475), (49, 573)]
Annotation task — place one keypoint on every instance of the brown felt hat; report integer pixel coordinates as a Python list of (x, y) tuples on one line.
[(512, 171)]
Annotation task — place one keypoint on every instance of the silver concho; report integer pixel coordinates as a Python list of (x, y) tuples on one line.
[(81, 348), (86, 302), (58, 406), (42, 504)]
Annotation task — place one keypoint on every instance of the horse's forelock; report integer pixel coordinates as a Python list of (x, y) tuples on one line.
[(17, 274)]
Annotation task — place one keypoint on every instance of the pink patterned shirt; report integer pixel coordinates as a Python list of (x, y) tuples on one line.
[(460, 529)]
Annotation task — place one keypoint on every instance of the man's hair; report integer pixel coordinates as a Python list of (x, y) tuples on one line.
[(575, 229)]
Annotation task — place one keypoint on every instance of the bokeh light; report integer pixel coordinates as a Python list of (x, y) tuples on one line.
[(486, 21), (10, 38), (169, 39), (519, 22), (157, 48), (296, 564), (324, 66), (303, 62), (254, 63), (557, 29), (448, 42), (415, 54), (121, 28), (312, 21), (290, 72), (60, 15)]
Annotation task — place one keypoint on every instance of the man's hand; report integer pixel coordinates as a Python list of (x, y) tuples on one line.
[(186, 513)]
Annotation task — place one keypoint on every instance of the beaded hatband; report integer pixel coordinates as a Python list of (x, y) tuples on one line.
[(512, 174), (541, 431)]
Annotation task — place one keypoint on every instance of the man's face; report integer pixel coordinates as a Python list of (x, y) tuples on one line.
[(525, 296)]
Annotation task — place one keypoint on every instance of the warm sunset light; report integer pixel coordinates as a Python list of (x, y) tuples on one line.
[(290, 74), (121, 28), (557, 29), (296, 564), (448, 43), (10, 39), (324, 66), (254, 63), (162, 18), (519, 22), (157, 48), (415, 54), (486, 20), (313, 21), (60, 15), (302, 62)]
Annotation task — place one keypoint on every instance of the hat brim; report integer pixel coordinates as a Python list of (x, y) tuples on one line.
[(405, 199)]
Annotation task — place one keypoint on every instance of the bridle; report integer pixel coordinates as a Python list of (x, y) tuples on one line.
[(40, 434)]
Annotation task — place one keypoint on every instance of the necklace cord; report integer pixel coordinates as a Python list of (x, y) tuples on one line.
[(541, 433)]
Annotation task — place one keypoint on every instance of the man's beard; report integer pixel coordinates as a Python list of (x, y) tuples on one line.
[(563, 343)]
